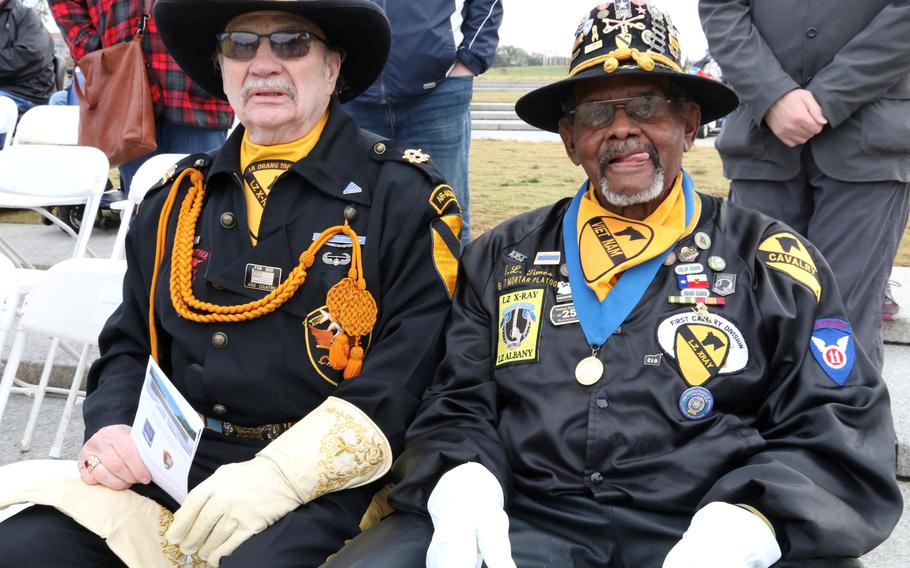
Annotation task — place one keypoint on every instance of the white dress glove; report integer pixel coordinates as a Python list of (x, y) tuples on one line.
[(470, 525), (725, 536)]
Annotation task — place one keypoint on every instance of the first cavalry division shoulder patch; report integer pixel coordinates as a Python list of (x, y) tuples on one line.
[(519, 326), (786, 253), (833, 347)]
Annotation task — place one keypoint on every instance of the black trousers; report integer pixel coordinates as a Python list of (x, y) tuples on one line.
[(577, 535), (42, 537)]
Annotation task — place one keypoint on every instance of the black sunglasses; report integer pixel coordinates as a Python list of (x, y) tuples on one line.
[(243, 46), (600, 114)]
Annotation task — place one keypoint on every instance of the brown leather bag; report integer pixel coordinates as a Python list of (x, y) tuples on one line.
[(115, 103)]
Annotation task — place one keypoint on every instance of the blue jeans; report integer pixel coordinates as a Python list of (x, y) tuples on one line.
[(174, 138), (439, 123)]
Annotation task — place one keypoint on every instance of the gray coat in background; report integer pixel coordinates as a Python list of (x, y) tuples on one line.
[(854, 56)]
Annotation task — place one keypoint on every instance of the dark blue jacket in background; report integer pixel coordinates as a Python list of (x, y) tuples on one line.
[(423, 44)]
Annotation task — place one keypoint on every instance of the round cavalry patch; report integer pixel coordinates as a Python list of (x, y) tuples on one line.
[(786, 253), (320, 330), (703, 345)]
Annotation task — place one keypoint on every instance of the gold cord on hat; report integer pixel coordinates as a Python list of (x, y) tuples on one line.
[(349, 302), (611, 61)]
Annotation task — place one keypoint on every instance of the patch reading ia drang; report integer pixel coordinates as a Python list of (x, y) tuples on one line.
[(786, 253)]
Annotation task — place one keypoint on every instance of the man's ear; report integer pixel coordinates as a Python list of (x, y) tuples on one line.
[(691, 121), (567, 133)]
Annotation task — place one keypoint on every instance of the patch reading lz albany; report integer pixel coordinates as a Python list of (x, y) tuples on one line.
[(833, 348), (519, 326), (786, 253), (703, 345), (443, 198), (618, 240)]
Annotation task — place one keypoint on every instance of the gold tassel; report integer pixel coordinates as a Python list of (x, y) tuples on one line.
[(339, 351), (355, 362)]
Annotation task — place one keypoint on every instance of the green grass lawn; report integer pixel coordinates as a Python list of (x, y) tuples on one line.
[(530, 73)]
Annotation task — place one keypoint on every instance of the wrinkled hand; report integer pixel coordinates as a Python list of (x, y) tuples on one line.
[(460, 70), (118, 464), (795, 117), (470, 525), (724, 536), (236, 502)]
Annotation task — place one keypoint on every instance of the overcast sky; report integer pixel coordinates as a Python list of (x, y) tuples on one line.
[(548, 26)]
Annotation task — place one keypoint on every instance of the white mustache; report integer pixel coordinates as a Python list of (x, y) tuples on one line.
[(254, 83)]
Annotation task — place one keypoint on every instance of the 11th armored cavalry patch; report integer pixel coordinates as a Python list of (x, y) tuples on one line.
[(786, 253), (833, 347), (519, 326)]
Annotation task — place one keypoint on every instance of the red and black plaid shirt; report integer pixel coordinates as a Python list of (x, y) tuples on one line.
[(89, 25)]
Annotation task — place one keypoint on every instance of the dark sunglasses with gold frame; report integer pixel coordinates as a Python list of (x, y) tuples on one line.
[(242, 46)]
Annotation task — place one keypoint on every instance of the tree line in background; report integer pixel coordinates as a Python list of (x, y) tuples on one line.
[(511, 56)]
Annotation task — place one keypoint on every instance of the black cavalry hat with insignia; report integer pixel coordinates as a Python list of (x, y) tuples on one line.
[(357, 27), (624, 37)]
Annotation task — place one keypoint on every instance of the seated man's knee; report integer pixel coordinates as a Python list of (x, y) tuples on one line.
[(44, 537), (399, 540)]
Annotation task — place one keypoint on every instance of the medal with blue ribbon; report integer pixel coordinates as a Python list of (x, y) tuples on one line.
[(600, 319)]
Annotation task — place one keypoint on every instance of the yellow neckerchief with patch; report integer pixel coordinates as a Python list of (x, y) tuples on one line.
[(608, 243), (261, 165)]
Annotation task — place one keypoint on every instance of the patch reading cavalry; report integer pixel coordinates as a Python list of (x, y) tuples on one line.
[(616, 242), (519, 326), (786, 253)]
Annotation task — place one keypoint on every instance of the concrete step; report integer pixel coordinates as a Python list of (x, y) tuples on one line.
[(503, 115), (492, 106), (501, 125), (898, 330)]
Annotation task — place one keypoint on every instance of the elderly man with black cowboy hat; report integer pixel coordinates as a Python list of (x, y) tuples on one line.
[(293, 284), (641, 376)]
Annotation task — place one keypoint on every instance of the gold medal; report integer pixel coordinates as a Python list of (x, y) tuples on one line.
[(589, 370)]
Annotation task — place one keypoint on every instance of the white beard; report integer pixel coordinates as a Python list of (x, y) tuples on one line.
[(626, 199)]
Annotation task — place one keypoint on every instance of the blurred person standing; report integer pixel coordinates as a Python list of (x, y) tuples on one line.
[(822, 139), (26, 56), (423, 97), (187, 118)]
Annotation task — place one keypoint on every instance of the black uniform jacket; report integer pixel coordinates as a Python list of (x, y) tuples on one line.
[(275, 368), (816, 458)]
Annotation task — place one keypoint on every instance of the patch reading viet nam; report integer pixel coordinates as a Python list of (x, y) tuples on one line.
[(786, 253), (519, 326), (703, 345), (833, 348), (612, 242)]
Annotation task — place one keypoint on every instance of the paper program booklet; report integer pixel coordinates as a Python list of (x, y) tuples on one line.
[(166, 431)]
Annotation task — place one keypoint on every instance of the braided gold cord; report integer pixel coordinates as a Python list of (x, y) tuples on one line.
[(353, 304)]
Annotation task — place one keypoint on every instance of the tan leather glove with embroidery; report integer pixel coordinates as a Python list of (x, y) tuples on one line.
[(336, 446)]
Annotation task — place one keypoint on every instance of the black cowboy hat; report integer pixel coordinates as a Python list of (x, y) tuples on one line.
[(624, 37), (358, 27)]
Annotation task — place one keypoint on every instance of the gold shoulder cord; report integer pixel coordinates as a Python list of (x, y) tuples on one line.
[(349, 302)]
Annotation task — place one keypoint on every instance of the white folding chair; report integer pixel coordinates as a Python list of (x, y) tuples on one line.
[(9, 113), (149, 173), (39, 176), (49, 124), (71, 303)]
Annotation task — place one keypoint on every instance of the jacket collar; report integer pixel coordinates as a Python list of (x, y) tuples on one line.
[(331, 166)]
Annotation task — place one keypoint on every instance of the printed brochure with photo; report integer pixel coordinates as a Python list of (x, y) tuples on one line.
[(166, 431)]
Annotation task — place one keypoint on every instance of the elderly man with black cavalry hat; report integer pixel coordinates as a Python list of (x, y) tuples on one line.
[(641, 376), (293, 284)]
